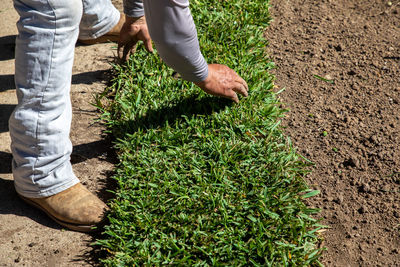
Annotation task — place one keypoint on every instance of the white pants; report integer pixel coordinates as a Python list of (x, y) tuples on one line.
[(40, 124)]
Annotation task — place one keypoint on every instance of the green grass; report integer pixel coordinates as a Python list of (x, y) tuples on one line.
[(202, 181)]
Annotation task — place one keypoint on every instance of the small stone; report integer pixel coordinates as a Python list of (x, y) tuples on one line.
[(356, 162), (386, 188), (362, 210), (373, 139), (365, 188), (339, 199), (351, 72), (338, 48), (349, 163), (372, 190)]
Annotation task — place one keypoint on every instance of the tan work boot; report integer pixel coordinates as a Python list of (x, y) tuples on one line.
[(111, 36), (75, 208)]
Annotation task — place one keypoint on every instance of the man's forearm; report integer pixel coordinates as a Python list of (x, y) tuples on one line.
[(174, 33)]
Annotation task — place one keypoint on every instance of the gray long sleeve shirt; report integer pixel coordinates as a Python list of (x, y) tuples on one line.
[(173, 31)]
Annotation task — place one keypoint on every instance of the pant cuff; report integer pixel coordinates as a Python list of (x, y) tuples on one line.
[(48, 192)]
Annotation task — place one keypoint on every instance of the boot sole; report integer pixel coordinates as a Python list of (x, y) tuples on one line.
[(75, 227)]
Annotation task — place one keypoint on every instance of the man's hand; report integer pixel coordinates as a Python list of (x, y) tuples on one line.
[(225, 82), (133, 30)]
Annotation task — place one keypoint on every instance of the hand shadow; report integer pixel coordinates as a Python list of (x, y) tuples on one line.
[(189, 106)]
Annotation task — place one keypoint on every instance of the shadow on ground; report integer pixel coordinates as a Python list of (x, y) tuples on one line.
[(103, 150), (7, 47), (7, 82), (90, 77), (5, 113), (187, 107), (97, 149), (93, 256), (5, 162), (10, 203)]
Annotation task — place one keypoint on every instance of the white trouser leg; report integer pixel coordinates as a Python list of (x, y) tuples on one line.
[(99, 17), (40, 124)]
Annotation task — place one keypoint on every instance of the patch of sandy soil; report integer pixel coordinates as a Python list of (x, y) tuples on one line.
[(27, 236), (348, 126)]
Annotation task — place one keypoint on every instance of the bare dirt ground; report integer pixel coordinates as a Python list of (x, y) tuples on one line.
[(349, 128)]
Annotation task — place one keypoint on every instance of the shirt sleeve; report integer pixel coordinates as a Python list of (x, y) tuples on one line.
[(173, 31), (133, 8)]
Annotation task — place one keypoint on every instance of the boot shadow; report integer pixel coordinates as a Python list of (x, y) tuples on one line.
[(12, 204)]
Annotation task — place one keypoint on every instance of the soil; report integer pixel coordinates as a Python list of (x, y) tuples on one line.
[(348, 125)]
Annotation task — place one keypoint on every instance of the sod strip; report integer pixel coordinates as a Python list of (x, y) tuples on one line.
[(203, 181)]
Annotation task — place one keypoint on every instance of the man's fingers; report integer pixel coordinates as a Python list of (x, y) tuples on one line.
[(125, 56), (236, 77), (243, 82), (240, 88), (234, 98), (129, 48), (148, 45), (239, 79), (119, 50)]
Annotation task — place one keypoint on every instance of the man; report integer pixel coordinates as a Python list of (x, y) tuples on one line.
[(40, 124)]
